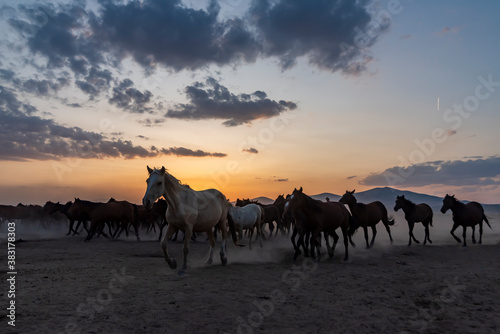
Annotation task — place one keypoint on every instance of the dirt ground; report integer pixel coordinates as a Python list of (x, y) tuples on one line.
[(66, 286)]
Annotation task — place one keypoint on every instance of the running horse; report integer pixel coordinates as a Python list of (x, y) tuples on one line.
[(248, 217), (189, 211), (415, 213), (315, 217), (365, 215), (470, 214)]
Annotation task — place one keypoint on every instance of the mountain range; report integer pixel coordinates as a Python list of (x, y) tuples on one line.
[(387, 196)]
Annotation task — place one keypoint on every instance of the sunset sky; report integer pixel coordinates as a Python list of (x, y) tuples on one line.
[(253, 98)]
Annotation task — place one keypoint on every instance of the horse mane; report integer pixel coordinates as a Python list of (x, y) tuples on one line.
[(311, 202), (172, 187), (406, 200)]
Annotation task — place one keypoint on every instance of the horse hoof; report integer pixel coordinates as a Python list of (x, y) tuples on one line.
[(181, 273), (208, 261), (223, 260), (330, 254), (430, 241), (418, 242), (172, 264)]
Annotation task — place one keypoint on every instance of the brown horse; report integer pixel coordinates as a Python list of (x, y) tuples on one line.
[(365, 215), (315, 217), (464, 215), (415, 213), (101, 213)]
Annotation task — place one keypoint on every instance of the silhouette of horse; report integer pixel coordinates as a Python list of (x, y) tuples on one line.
[(190, 211), (315, 217), (248, 217), (365, 215), (464, 215), (279, 202), (101, 213), (51, 208), (415, 213)]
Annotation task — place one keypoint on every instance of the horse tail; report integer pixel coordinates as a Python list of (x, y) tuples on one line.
[(486, 220), (390, 221), (352, 226)]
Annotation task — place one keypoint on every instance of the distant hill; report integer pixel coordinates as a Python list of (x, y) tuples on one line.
[(387, 196)]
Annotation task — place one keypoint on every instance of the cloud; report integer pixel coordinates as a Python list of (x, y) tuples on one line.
[(251, 150), (451, 132), (332, 35), (448, 30), (351, 177), (25, 136), (186, 152), (129, 98), (478, 172), (281, 180), (211, 100)]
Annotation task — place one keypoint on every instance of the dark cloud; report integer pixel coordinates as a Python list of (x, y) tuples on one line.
[(484, 171), (6, 74), (251, 150), (129, 98), (351, 177), (167, 32), (97, 81), (44, 87), (281, 180), (334, 35), (186, 152), (24, 136), (211, 100)]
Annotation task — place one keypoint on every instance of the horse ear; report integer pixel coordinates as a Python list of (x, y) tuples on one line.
[(403, 196), (149, 170), (352, 192), (300, 189), (162, 170)]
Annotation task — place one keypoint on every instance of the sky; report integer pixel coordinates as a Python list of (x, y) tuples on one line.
[(253, 98)]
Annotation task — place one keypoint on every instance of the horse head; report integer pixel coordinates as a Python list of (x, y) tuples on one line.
[(155, 186), (448, 202), (348, 197), (399, 202)]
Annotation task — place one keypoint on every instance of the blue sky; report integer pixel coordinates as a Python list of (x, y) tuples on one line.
[(251, 97)]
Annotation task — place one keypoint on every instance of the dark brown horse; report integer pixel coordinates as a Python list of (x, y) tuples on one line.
[(52, 208), (279, 202), (101, 213), (315, 217), (365, 215), (415, 213), (470, 214)]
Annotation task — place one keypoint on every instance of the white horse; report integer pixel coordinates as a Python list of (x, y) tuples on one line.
[(248, 217), (189, 211)]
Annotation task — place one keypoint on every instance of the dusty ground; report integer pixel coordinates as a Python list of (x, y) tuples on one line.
[(66, 286)]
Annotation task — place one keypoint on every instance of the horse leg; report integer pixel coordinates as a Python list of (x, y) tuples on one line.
[(299, 243), (257, 226), (481, 232), (92, 229), (294, 234), (168, 234), (463, 235), (250, 230), (210, 235), (345, 234), (136, 229), (374, 232), (473, 234), (388, 229), (223, 232), (365, 230), (455, 226), (427, 237), (411, 226)]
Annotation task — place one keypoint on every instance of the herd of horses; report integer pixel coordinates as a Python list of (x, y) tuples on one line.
[(209, 211)]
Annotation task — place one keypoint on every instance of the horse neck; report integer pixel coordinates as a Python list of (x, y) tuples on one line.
[(457, 206), (408, 206), (354, 206), (173, 191)]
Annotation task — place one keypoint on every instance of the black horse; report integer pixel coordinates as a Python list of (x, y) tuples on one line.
[(470, 214), (415, 213)]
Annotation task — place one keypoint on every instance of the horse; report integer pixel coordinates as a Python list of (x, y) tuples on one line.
[(279, 202), (247, 217), (51, 208), (271, 215), (190, 211), (415, 213), (101, 213), (469, 214), (365, 215), (316, 217)]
